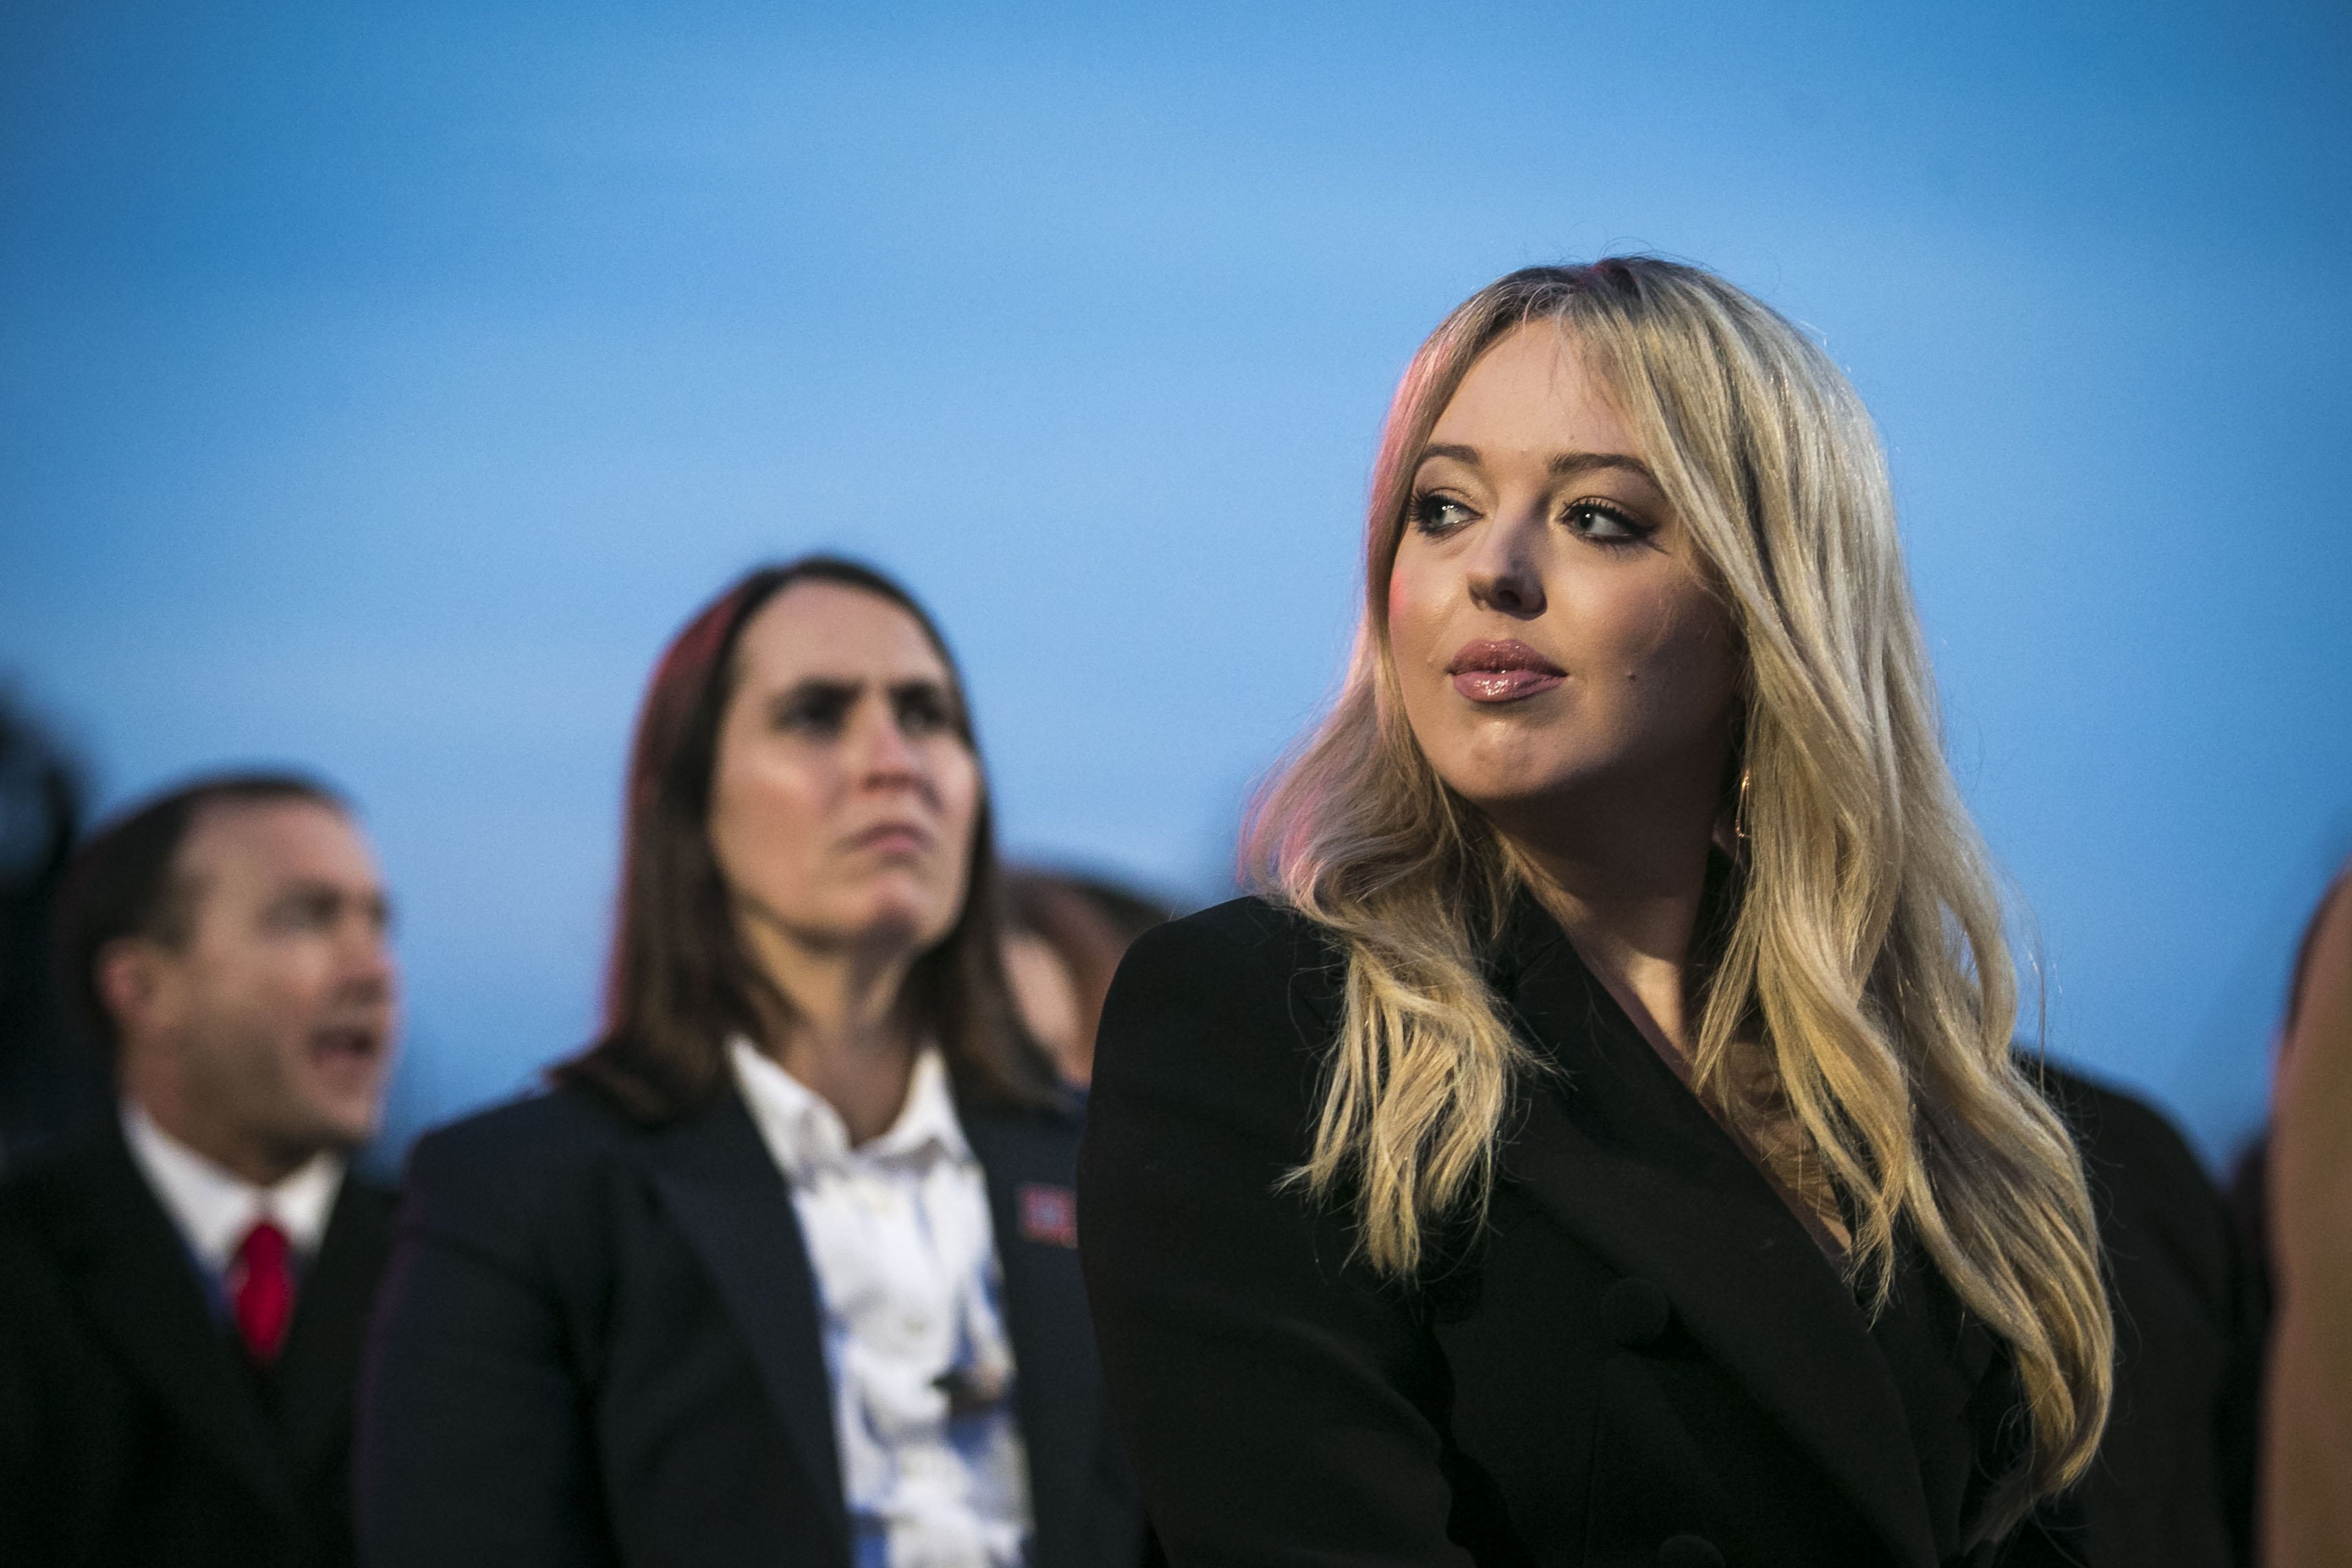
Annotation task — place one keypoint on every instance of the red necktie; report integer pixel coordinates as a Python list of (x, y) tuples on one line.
[(261, 1291)]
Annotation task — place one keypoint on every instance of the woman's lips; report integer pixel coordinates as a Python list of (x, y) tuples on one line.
[(1503, 685), (893, 839), (1502, 672)]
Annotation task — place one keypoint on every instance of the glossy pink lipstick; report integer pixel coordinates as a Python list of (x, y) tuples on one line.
[(1504, 672)]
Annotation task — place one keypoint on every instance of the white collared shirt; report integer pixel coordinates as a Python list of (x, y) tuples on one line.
[(904, 1252), (215, 1208)]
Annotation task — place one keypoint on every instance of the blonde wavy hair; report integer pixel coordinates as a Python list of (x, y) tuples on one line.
[(1857, 1017)]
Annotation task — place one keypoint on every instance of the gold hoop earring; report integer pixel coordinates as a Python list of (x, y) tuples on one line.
[(1740, 811)]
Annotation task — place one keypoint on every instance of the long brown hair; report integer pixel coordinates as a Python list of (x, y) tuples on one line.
[(1863, 974), (681, 983)]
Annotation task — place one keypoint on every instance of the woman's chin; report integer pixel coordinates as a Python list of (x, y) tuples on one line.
[(1515, 794), (887, 924)]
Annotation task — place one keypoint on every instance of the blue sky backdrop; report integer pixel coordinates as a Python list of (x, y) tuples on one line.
[(381, 385)]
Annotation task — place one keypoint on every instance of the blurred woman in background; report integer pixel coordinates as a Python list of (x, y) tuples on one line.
[(783, 1268), (1601, 1142)]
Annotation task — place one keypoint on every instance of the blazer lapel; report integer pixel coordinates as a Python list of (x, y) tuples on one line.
[(731, 1202), (1029, 1160), (318, 1377), (137, 1286), (1688, 1213)]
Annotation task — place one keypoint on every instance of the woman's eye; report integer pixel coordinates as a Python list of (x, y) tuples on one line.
[(925, 712), (1604, 524), (815, 715), (1438, 515)]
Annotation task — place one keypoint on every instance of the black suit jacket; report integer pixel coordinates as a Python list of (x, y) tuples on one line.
[(1643, 1358), (600, 1343), (131, 1429)]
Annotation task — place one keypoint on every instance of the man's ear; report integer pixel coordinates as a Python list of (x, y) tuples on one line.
[(134, 983)]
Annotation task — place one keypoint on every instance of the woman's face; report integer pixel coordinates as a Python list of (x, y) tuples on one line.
[(843, 798), (1553, 637)]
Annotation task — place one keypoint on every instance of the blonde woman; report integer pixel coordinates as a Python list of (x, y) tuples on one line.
[(1600, 1141)]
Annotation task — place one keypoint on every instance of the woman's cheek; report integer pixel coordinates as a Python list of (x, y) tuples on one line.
[(955, 780), (1408, 636), (967, 803)]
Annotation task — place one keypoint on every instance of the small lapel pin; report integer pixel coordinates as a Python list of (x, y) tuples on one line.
[(1049, 1215)]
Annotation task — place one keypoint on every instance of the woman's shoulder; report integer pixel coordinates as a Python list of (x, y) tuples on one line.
[(1239, 1000), (544, 1141), (1252, 938)]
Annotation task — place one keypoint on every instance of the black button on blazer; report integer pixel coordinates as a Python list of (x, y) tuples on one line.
[(600, 1343), (1642, 1359)]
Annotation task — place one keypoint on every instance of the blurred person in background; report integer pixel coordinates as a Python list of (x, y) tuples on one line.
[(183, 1293), (1064, 938), (783, 1268), (2173, 1484), (2249, 1190), (50, 1086), (2177, 1476), (2306, 1504)]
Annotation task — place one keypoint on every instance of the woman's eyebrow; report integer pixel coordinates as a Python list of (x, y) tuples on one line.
[(838, 688), (1568, 464), (1560, 465)]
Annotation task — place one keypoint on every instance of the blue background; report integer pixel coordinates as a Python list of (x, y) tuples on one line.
[(381, 385)]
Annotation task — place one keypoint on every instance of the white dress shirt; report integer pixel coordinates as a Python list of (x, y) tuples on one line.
[(213, 1207), (900, 1239)]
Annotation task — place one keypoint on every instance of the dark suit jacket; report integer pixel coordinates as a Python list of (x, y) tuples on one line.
[(2173, 1486), (600, 1344), (1642, 1358), (131, 1429)]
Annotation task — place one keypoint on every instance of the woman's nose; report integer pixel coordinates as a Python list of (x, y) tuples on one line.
[(885, 754), (1506, 575)]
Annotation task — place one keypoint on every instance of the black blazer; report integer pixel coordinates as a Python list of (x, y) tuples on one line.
[(132, 1430), (1642, 1359), (600, 1343)]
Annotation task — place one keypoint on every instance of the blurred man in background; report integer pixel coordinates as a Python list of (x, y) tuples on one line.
[(183, 1293)]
